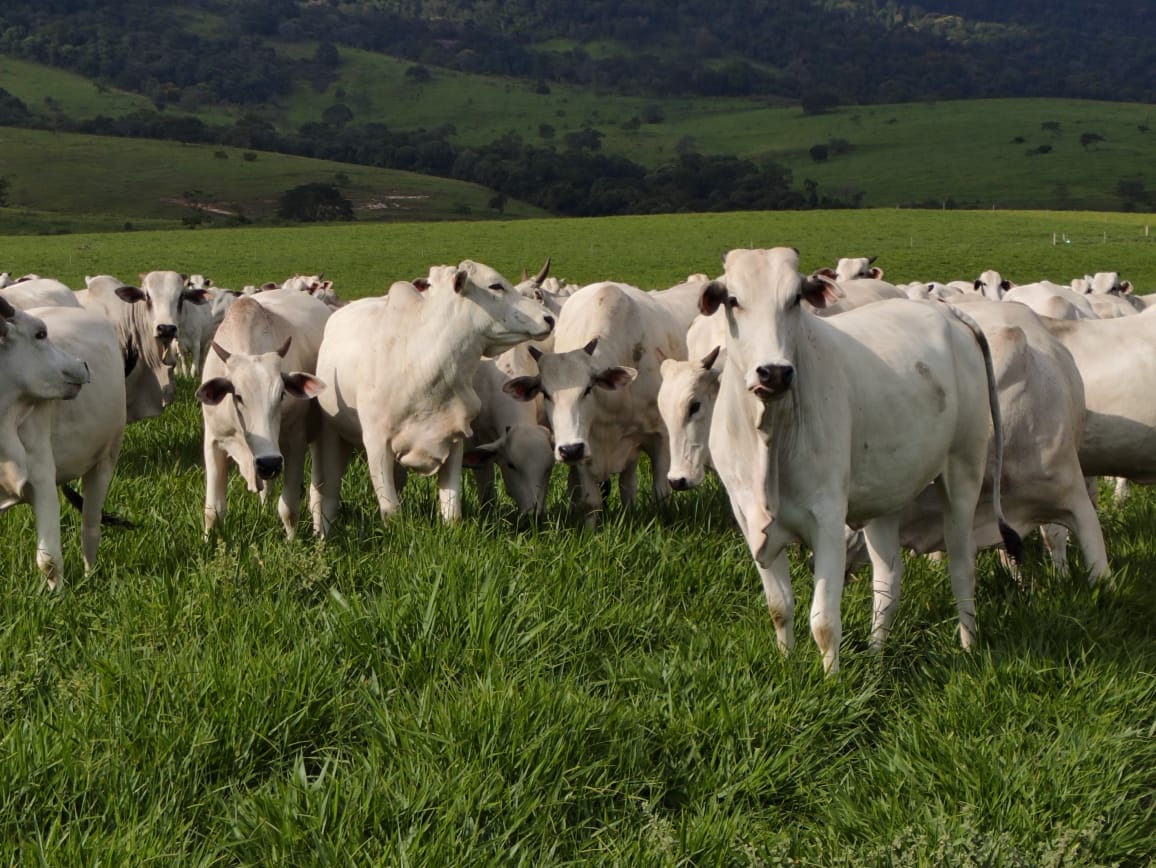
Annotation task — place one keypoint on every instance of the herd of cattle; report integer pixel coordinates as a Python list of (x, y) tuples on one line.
[(839, 410)]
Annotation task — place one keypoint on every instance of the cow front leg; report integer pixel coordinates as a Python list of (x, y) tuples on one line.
[(380, 458), (586, 494), (96, 482), (658, 451), (450, 484), (46, 507), (882, 538), (330, 460), (830, 550), (627, 484), (216, 482), (780, 599), (289, 504)]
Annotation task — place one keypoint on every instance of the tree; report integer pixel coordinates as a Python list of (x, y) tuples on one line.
[(5, 183), (418, 74), (314, 203), (817, 102), (337, 115), (818, 153), (1090, 138)]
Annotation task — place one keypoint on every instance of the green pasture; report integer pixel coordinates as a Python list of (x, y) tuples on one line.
[(113, 181), (503, 692), (651, 252)]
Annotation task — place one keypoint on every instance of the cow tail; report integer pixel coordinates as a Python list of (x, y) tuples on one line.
[(75, 498), (1011, 540)]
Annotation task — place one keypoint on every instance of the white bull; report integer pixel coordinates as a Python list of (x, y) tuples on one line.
[(400, 370), (821, 423), (45, 442), (265, 351)]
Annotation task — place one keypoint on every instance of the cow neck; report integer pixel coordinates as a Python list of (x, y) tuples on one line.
[(458, 361)]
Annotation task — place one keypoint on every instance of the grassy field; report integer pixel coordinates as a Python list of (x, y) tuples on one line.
[(975, 154), (501, 692), (97, 182)]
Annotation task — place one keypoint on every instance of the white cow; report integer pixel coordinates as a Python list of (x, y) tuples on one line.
[(1052, 300), (686, 401), (992, 285), (147, 371), (821, 423), (264, 352), (39, 292), (506, 433), (854, 292), (46, 442), (1041, 398), (851, 268), (198, 323), (600, 385), (400, 370), (315, 285)]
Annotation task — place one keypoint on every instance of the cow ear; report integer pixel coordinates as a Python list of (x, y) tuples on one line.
[(713, 295), (421, 284), (615, 378), (302, 385), (268, 285), (284, 348), (196, 296), (213, 392), (523, 388), (820, 291), (825, 271), (591, 345), (1125, 286), (978, 284), (535, 353), (1005, 284), (876, 273), (129, 294), (710, 358), (481, 455), (460, 278)]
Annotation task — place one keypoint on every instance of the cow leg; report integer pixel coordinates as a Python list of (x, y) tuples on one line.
[(830, 550), (659, 452), (334, 454), (586, 494), (289, 504), (484, 480), (216, 482), (1121, 492), (96, 482), (450, 484), (380, 458), (882, 538), (627, 484), (959, 492), (46, 507), (1086, 525), (1055, 537), (769, 544), (780, 599)]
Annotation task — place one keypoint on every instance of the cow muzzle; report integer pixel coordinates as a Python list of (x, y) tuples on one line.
[(269, 466), (572, 452), (680, 483), (772, 381), (166, 332)]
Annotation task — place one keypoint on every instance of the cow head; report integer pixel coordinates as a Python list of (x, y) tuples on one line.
[(165, 293), (499, 312), (761, 294), (250, 392), (857, 268), (525, 457), (569, 383), (33, 367), (1107, 283), (686, 402), (991, 284)]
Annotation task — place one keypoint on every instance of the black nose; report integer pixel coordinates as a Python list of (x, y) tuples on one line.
[(679, 483), (775, 377), (549, 321), (166, 331), (269, 466), (572, 451)]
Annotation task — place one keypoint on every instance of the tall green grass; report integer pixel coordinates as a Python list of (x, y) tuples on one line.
[(509, 692)]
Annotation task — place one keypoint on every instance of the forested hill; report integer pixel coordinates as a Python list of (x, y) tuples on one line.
[(825, 51)]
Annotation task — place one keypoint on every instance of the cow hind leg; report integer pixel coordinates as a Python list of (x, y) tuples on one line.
[(882, 538), (959, 492), (96, 482), (334, 454), (450, 484)]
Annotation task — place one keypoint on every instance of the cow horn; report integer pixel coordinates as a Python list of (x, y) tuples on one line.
[(284, 348), (709, 359), (541, 275), (534, 352), (7, 311), (590, 346), (224, 354), (871, 259)]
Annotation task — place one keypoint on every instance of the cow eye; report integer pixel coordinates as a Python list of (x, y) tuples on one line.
[(42, 335), (497, 287), (695, 406)]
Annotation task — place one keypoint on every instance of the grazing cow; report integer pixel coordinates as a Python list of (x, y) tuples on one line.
[(400, 370), (264, 352), (822, 423), (148, 373), (1052, 300), (47, 442), (506, 433), (39, 292), (600, 385), (1041, 398)]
